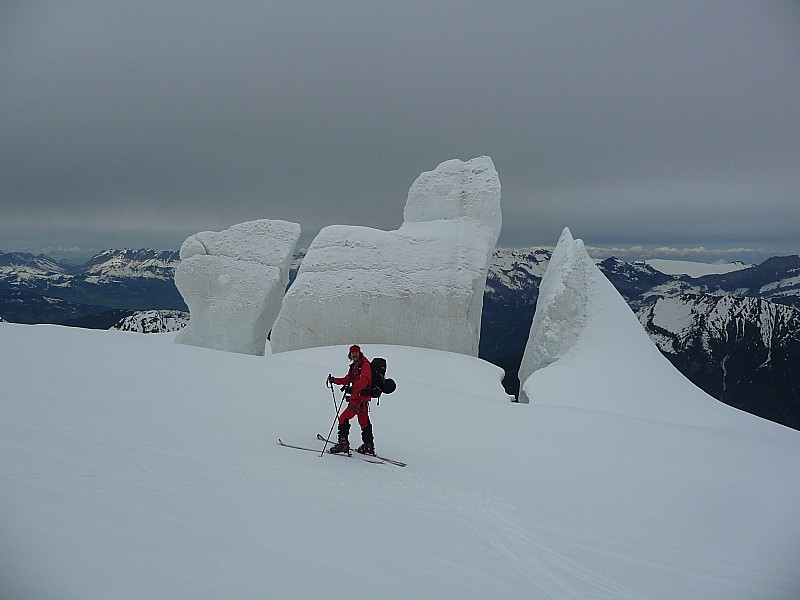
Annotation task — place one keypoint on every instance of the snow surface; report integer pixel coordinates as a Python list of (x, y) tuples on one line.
[(694, 269), (421, 285), (233, 282), (132, 467)]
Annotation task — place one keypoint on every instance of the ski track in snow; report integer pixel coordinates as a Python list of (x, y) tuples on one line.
[(548, 571)]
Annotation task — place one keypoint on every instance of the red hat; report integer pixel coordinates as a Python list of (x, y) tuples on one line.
[(354, 348)]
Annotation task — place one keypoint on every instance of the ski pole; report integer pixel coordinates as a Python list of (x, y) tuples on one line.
[(333, 395), (336, 418)]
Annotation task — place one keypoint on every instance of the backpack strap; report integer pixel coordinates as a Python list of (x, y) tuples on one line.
[(353, 374)]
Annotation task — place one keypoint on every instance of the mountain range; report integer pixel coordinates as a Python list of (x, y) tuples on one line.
[(97, 294), (735, 334)]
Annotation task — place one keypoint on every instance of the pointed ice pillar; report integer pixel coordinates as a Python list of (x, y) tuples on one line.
[(233, 282), (421, 285), (587, 350), (560, 309)]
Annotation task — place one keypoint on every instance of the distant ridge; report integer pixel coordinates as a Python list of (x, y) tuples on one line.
[(111, 280)]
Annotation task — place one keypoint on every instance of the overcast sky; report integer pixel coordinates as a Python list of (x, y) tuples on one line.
[(662, 124)]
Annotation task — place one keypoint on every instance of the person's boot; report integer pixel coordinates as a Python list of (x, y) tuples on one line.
[(368, 447), (343, 444)]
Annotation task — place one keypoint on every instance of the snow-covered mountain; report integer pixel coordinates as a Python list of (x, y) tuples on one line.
[(735, 334), (154, 321), (777, 279), (689, 319), (619, 481), (116, 265), (635, 280), (512, 288), (743, 351), (516, 268), (18, 268), (27, 270), (114, 279)]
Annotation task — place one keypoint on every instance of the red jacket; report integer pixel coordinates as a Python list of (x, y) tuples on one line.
[(359, 377)]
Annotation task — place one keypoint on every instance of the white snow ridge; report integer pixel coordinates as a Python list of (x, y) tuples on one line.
[(421, 285), (233, 282)]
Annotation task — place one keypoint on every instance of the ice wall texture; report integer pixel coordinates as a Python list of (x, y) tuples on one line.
[(421, 285), (560, 309), (233, 282)]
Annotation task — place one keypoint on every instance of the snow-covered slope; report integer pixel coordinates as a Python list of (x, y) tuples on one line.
[(132, 467)]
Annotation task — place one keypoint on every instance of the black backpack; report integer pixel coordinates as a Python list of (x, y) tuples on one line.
[(380, 383)]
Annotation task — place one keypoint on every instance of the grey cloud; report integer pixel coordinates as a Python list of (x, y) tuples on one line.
[(665, 123)]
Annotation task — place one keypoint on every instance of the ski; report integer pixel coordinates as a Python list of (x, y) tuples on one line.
[(374, 460), (390, 461)]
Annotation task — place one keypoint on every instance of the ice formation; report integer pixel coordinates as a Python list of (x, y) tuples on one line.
[(583, 326), (560, 309), (421, 285), (233, 282)]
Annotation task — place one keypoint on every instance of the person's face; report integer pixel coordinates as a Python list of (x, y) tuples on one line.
[(353, 356)]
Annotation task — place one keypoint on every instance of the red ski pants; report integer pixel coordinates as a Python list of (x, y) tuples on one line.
[(360, 409)]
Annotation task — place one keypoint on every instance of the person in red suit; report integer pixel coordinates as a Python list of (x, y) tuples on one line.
[(359, 385)]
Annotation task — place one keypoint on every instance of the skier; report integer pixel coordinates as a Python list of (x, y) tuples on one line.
[(358, 380)]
